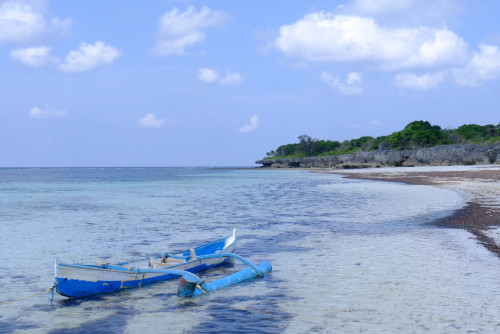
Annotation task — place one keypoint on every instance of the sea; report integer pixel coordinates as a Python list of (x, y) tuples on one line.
[(348, 256)]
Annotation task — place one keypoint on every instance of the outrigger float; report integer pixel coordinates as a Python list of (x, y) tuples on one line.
[(75, 280)]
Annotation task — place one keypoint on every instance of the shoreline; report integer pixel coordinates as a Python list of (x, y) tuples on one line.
[(480, 185)]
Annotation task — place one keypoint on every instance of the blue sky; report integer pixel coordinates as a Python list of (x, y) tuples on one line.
[(197, 83)]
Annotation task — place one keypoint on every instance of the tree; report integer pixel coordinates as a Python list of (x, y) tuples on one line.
[(271, 154), (472, 131), (288, 149), (416, 134), (324, 146), (306, 142)]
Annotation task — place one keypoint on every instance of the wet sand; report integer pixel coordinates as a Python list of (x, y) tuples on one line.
[(479, 184)]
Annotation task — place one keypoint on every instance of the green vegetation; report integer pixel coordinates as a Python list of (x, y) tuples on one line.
[(417, 134)]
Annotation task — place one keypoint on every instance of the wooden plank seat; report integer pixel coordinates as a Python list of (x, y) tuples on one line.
[(159, 263), (169, 260)]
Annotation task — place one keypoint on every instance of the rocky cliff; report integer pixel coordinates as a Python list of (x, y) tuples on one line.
[(444, 155)]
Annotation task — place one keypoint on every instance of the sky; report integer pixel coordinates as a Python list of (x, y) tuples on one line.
[(88, 83)]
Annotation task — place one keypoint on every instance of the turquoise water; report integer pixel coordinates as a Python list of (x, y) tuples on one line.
[(348, 255)]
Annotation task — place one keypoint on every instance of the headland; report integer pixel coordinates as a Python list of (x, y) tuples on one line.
[(443, 155)]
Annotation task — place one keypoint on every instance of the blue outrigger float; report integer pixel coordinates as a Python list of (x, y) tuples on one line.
[(74, 280)]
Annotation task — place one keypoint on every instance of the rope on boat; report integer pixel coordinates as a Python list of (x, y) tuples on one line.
[(202, 289), (36, 294)]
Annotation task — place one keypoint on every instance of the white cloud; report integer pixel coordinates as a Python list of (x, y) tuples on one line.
[(231, 78), (19, 22), (179, 30), (86, 58), (151, 121), (48, 112), (208, 75), (34, 56), (483, 66), (89, 56), (251, 126), (420, 82), (326, 37), (352, 85), (24, 21), (211, 76), (407, 12)]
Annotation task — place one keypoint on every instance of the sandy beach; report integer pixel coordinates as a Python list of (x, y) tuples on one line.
[(480, 185)]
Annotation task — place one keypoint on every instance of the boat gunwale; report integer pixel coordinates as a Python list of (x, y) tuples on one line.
[(122, 269)]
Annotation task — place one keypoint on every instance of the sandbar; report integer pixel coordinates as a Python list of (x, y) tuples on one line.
[(480, 185)]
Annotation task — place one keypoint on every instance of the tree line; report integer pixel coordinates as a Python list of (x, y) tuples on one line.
[(416, 134)]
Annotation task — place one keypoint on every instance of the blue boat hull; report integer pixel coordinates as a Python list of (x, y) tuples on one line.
[(81, 288), (73, 280)]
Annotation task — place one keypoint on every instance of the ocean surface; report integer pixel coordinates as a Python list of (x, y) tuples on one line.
[(348, 256)]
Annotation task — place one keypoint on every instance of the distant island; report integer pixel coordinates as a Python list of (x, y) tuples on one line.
[(419, 143)]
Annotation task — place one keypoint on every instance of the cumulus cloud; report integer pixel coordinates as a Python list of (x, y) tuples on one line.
[(179, 30), (482, 67), (351, 86), (86, 58), (207, 75), (34, 56), (425, 81), (406, 12), (47, 112), (89, 56), (24, 21), (211, 76), (327, 37), (251, 126), (151, 121)]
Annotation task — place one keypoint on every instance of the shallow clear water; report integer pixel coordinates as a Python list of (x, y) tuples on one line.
[(347, 255)]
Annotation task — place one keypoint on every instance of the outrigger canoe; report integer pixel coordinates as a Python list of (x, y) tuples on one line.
[(75, 280)]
